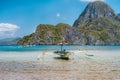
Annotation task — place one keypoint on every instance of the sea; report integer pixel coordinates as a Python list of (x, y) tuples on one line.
[(32, 52), (54, 47)]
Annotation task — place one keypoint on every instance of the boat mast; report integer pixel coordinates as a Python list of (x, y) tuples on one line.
[(63, 42), (61, 46)]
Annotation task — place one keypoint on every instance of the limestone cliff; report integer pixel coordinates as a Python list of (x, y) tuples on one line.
[(97, 25)]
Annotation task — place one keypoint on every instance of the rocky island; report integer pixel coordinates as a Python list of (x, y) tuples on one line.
[(98, 24)]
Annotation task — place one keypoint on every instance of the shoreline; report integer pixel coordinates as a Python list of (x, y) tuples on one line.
[(103, 65)]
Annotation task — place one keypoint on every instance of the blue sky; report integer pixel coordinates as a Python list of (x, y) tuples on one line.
[(21, 17)]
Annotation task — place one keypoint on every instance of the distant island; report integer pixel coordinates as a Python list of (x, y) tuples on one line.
[(98, 24), (9, 41)]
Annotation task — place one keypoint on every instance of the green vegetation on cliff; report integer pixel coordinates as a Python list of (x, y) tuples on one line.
[(26, 39), (45, 34)]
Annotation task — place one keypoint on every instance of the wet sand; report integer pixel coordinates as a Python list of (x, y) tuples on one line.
[(83, 65)]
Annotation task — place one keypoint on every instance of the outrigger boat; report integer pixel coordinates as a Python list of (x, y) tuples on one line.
[(63, 53)]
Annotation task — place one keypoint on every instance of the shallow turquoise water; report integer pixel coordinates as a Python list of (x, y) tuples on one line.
[(30, 53), (56, 47)]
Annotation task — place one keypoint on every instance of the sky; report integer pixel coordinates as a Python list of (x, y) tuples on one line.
[(21, 17)]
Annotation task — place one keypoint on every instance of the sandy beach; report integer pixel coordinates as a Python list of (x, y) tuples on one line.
[(43, 65)]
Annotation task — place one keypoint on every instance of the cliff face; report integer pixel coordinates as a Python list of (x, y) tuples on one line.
[(119, 14), (45, 34), (93, 11), (97, 25)]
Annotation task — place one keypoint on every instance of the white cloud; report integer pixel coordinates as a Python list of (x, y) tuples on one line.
[(8, 30), (90, 0), (58, 14)]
